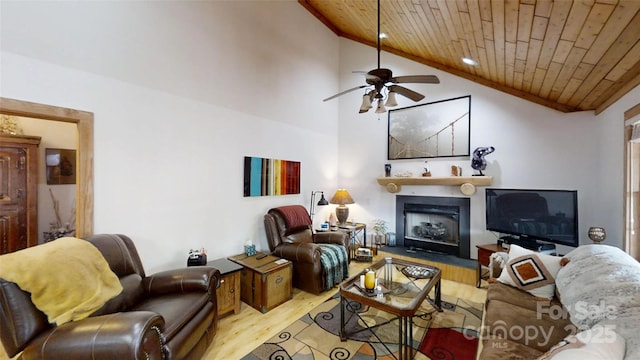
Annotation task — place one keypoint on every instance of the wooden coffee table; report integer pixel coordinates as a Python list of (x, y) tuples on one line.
[(401, 298)]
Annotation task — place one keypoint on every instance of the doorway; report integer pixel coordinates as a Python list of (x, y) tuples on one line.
[(84, 155), (632, 182)]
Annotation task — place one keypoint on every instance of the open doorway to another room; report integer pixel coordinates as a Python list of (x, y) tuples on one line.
[(56, 200), (82, 128)]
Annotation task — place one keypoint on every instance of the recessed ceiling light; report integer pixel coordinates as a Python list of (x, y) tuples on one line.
[(469, 61), (383, 36)]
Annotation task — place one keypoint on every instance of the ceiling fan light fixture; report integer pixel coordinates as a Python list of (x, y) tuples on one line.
[(382, 81), (391, 99), (366, 102)]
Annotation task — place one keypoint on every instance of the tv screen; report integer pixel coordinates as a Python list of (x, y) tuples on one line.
[(547, 215)]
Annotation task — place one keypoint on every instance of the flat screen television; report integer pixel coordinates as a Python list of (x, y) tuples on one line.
[(531, 215)]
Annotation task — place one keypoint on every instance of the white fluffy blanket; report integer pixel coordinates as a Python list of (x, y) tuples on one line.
[(601, 285)]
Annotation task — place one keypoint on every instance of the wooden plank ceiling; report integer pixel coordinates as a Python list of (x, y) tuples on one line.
[(567, 55)]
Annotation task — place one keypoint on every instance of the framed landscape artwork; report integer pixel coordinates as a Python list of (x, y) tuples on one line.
[(437, 129)]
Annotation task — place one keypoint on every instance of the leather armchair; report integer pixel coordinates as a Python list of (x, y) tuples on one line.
[(168, 315), (299, 245)]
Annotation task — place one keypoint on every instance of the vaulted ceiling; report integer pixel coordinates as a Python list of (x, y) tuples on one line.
[(567, 55)]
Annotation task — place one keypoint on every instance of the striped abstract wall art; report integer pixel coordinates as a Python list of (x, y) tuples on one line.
[(263, 177)]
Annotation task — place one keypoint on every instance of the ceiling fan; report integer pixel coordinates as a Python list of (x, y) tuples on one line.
[(380, 81)]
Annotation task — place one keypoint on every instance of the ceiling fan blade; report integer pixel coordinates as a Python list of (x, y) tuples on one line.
[(344, 92), (406, 92), (421, 79)]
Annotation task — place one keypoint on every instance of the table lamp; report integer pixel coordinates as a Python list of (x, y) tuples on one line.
[(342, 197)]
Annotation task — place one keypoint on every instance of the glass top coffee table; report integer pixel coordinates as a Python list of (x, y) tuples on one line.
[(410, 286)]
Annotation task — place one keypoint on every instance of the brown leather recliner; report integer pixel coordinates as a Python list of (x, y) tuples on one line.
[(299, 245), (168, 315)]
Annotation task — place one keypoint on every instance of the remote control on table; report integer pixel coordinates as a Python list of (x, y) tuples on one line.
[(261, 256)]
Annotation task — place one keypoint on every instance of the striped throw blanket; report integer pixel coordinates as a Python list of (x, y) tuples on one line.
[(334, 262)]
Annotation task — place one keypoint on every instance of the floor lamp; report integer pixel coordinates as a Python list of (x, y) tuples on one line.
[(312, 206)]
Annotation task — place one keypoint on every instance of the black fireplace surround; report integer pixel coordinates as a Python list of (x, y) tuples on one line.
[(457, 208)]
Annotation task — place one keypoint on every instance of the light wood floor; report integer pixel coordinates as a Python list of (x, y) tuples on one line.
[(239, 334)]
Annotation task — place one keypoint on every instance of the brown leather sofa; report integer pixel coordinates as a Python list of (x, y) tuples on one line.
[(168, 315), (299, 245)]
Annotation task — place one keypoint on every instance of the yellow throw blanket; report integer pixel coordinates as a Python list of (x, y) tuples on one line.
[(68, 278)]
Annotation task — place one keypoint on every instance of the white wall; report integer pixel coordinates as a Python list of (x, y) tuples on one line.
[(536, 147), (181, 92)]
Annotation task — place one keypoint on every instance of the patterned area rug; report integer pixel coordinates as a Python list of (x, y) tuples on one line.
[(451, 334)]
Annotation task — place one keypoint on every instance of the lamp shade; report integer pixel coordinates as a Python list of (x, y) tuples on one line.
[(391, 99), (323, 201), (342, 197), (366, 103)]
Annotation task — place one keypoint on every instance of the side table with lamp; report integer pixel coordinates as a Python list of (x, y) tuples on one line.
[(353, 229)]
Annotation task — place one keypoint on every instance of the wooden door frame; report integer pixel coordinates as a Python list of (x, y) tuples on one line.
[(629, 114), (84, 155)]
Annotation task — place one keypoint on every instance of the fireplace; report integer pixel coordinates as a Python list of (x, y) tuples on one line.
[(431, 223)]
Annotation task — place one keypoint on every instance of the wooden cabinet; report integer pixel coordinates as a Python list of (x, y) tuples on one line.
[(18, 192), (265, 283), (228, 293)]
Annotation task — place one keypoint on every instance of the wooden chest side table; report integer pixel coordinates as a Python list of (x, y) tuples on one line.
[(484, 255), (228, 294), (265, 283)]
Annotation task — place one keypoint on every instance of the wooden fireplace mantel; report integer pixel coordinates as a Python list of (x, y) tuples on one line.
[(467, 183)]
